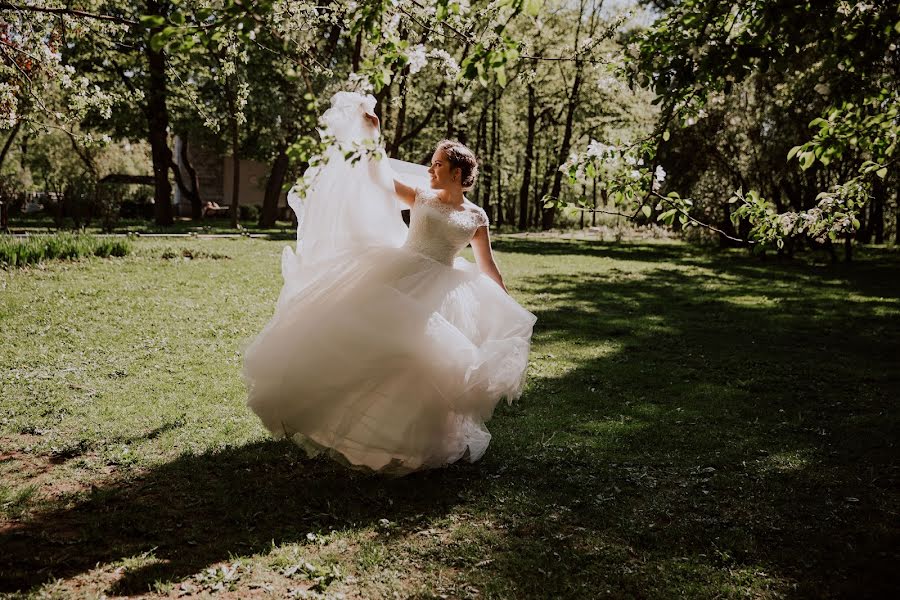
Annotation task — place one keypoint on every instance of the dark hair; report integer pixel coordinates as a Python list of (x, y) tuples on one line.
[(460, 157)]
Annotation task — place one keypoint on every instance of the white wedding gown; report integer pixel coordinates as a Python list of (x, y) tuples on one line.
[(386, 350)]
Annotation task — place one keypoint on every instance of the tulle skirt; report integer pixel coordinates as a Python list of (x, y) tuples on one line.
[(388, 360)]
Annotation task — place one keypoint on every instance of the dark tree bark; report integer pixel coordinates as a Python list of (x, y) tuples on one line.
[(194, 192), (594, 212), (8, 144), (897, 217), (357, 52), (495, 158), (273, 188), (158, 124), (235, 154), (400, 124), (489, 163), (583, 193), (529, 157), (549, 214), (879, 199)]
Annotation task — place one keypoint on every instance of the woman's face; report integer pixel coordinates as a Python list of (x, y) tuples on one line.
[(441, 173)]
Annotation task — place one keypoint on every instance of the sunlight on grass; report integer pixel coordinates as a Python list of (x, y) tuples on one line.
[(683, 414)]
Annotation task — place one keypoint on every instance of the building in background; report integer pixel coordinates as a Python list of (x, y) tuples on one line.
[(214, 174)]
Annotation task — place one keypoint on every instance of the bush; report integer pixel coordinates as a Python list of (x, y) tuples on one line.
[(137, 204), (19, 252), (249, 213)]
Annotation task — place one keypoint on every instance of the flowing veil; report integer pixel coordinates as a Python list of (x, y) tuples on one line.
[(348, 207)]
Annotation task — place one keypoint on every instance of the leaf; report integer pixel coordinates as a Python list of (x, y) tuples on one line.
[(532, 7), (646, 210), (666, 135), (158, 41), (152, 21), (667, 216), (882, 172), (807, 159), (501, 76), (793, 152)]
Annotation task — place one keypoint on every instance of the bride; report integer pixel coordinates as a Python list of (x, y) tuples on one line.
[(387, 351)]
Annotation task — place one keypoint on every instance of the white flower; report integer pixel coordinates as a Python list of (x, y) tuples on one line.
[(635, 174), (359, 83), (823, 89), (393, 24), (417, 58), (660, 174), (600, 150), (787, 222), (451, 67), (630, 160)]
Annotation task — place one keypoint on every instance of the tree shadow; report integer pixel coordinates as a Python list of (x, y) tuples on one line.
[(742, 430), (720, 434), (199, 510)]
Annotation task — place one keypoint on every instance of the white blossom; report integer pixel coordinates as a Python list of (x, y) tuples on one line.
[(660, 174), (599, 149), (417, 58), (451, 67)]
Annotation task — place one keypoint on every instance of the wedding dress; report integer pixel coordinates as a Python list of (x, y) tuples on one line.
[(386, 350)]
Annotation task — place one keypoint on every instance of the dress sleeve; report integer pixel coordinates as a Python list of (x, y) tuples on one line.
[(483, 218)]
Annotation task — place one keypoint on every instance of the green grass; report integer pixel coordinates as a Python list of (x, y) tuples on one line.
[(42, 223), (36, 249), (696, 424)]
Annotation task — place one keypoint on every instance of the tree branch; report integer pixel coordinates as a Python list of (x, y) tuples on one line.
[(71, 12)]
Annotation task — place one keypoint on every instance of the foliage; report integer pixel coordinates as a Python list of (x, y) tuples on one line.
[(36, 249), (701, 50)]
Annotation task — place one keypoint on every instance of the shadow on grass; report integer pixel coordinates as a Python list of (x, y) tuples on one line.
[(723, 440), (739, 434), (199, 510)]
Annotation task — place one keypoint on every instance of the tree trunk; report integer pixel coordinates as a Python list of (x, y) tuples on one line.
[(879, 199), (594, 212), (158, 124), (8, 144), (194, 193), (897, 217), (488, 170), (495, 157), (549, 214), (231, 91), (583, 194), (529, 157), (394, 146), (357, 52), (273, 189)]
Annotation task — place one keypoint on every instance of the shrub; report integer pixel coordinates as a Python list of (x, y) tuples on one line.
[(249, 213), (20, 252)]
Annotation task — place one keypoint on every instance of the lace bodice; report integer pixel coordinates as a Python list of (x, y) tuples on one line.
[(439, 230)]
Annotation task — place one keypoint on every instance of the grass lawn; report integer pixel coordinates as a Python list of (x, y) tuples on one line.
[(696, 424)]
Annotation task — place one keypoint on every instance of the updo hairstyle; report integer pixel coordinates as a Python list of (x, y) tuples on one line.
[(460, 157)]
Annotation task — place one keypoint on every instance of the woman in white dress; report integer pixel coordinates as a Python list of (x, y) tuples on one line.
[(386, 350)]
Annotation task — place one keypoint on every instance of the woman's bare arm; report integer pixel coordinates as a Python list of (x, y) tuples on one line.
[(484, 256), (406, 194)]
